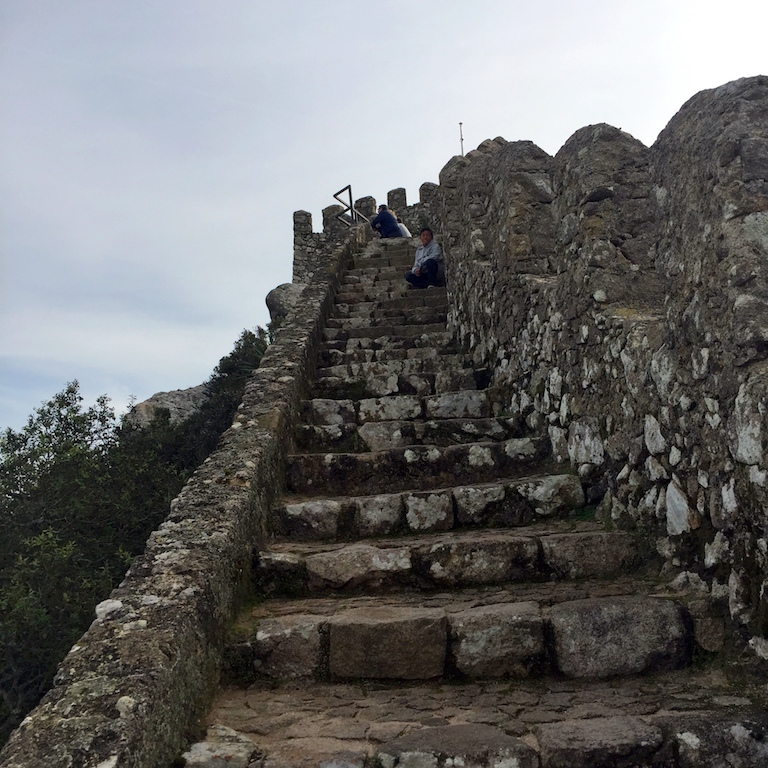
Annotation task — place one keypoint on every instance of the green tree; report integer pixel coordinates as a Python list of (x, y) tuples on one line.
[(79, 495)]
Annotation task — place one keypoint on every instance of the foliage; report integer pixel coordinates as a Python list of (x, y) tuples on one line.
[(79, 495)]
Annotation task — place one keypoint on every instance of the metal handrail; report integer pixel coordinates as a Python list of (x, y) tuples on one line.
[(350, 215)]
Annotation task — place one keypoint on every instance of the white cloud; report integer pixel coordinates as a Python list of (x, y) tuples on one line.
[(152, 155)]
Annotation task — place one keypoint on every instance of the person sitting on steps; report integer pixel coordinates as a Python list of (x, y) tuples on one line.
[(426, 265), (385, 223)]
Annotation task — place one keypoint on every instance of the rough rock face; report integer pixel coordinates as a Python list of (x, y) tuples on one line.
[(281, 300), (181, 403), (621, 294)]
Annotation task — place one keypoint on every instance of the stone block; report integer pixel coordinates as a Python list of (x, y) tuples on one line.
[(429, 511), (497, 640), (612, 636), (326, 411), (378, 515), (715, 739), (602, 742), (288, 647), (222, 746), (390, 408), (494, 505), (468, 404), (358, 564), (471, 745), (312, 519), (487, 559), (472, 504), (388, 642), (554, 493), (590, 554), (380, 436)]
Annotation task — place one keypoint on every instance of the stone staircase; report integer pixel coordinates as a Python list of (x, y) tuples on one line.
[(436, 593)]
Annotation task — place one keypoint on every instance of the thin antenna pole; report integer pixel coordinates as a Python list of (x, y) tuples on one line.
[(461, 137)]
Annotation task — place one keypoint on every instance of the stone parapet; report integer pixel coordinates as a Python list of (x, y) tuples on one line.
[(132, 688)]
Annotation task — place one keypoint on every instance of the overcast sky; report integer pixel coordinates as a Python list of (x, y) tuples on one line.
[(152, 152)]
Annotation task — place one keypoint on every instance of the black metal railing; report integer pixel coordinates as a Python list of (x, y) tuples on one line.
[(350, 215)]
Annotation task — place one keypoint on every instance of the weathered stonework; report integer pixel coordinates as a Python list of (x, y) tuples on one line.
[(620, 294)]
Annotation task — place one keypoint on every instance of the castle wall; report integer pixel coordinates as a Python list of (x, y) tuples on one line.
[(620, 294)]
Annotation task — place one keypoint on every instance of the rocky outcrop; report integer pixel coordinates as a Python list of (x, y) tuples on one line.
[(180, 403)]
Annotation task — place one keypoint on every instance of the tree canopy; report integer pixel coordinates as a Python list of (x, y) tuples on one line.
[(80, 492)]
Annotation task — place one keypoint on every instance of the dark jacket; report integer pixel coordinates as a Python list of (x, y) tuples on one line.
[(386, 223)]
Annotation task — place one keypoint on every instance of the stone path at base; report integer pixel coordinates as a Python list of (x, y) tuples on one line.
[(434, 597), (305, 725)]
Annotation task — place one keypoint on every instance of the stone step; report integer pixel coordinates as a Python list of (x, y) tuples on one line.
[(377, 331), (394, 318), (445, 560), (401, 258), (377, 314), (386, 348), (379, 436), (463, 404), (356, 387), (356, 294), (426, 364), (411, 300), (373, 274), (470, 634), (500, 503), (694, 717), (419, 466)]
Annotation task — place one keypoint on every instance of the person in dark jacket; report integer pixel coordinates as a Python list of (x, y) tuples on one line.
[(385, 223)]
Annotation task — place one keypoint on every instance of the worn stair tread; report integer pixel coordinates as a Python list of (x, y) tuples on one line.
[(410, 300), (508, 502), (505, 633), (420, 316), (428, 347), (351, 437), (429, 365), (398, 469), (459, 558), (306, 724), (377, 331), (459, 404)]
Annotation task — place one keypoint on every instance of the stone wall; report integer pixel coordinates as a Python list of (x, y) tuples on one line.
[(620, 293), (130, 690)]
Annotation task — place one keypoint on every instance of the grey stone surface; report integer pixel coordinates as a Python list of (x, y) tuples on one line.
[(457, 745), (222, 747), (378, 515), (399, 643), (287, 647), (601, 742), (580, 555), (492, 559), (618, 636), (358, 564), (429, 511), (497, 640)]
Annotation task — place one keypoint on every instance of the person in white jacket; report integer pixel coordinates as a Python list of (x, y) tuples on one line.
[(426, 265)]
